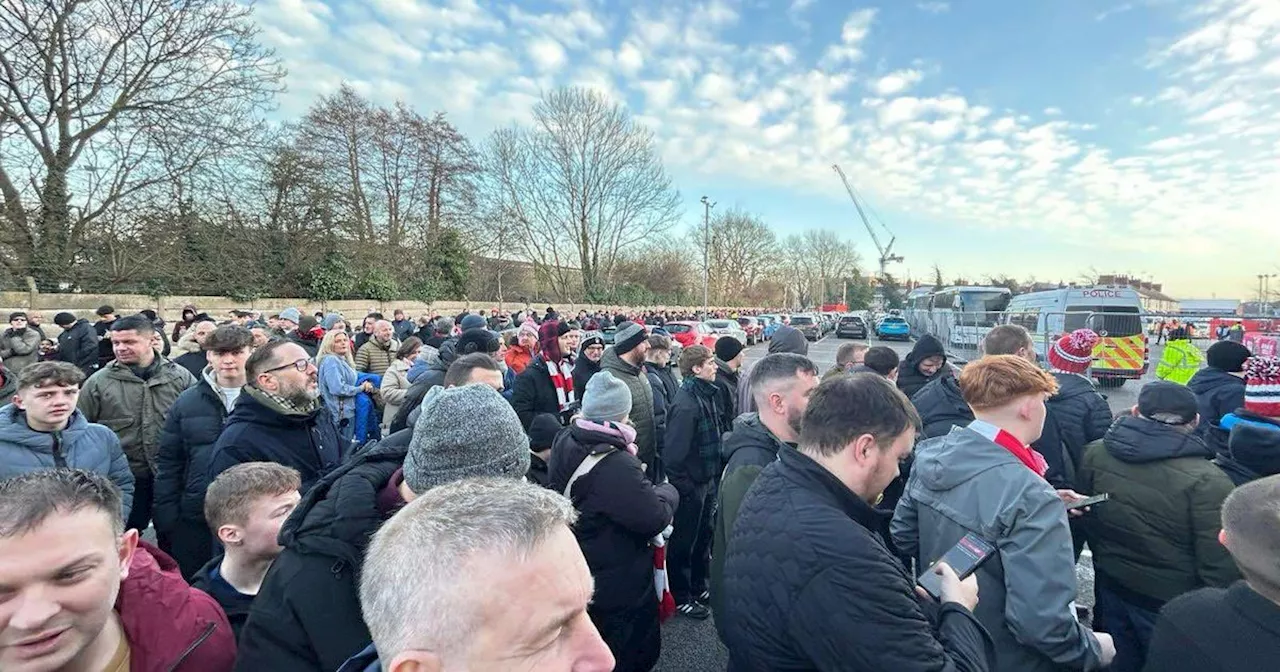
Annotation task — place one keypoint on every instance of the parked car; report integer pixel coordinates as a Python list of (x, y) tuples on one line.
[(893, 327), (768, 325), (728, 328), (607, 333), (692, 333), (753, 327), (808, 325), (851, 326)]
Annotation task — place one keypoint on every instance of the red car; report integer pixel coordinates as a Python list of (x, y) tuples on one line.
[(692, 333), (753, 329)]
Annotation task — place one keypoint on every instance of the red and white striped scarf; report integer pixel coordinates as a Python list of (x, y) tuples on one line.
[(562, 380)]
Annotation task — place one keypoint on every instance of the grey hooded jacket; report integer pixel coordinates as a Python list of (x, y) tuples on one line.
[(962, 482), (82, 445)]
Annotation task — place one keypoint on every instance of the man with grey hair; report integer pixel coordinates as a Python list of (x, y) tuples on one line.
[(504, 586), (307, 613), (781, 385)]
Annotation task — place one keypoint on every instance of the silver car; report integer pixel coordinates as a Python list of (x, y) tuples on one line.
[(728, 328)]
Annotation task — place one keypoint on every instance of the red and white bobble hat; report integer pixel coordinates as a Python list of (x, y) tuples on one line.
[(1073, 353), (1262, 386)]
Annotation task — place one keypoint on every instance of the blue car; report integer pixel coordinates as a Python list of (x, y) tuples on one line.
[(893, 328), (770, 323)]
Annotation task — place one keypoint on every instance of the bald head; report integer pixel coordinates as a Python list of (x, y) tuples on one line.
[(383, 331), (1251, 532)]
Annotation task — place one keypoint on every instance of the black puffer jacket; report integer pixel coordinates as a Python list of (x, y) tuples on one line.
[(187, 440), (664, 385), (1253, 450), (910, 380), (433, 377), (1217, 394), (621, 511), (307, 614), (941, 407), (727, 381), (1078, 415), (809, 585), (79, 345)]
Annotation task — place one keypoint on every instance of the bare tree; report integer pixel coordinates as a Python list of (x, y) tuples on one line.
[(109, 86), (831, 257), (585, 182), (742, 250)]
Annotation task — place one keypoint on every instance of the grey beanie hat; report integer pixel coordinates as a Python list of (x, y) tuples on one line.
[(465, 432), (606, 398), (628, 336), (472, 321), (291, 314)]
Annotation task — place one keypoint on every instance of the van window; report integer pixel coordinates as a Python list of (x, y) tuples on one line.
[(1117, 321), (1028, 318)]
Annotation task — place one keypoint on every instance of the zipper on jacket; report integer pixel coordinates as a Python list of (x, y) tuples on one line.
[(59, 460), (208, 632)]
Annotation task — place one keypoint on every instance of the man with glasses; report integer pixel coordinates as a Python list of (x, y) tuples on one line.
[(279, 417)]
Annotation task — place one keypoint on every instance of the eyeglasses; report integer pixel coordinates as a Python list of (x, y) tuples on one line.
[(300, 365)]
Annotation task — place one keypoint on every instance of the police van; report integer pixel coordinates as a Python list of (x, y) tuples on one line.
[(1113, 311)]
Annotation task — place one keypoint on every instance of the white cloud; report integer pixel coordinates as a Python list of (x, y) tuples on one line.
[(897, 82), (630, 59), (934, 6), (547, 54), (852, 34)]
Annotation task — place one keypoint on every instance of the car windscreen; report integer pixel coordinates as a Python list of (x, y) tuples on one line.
[(721, 324), (801, 320), (1116, 321), (893, 320), (851, 319), (678, 328)]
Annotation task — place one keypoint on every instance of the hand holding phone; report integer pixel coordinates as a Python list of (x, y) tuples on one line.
[(1088, 501), (962, 560)]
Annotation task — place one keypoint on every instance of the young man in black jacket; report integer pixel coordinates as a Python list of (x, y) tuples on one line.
[(1225, 630), (808, 581), (190, 432), (781, 384), (1219, 390), (78, 343), (692, 463)]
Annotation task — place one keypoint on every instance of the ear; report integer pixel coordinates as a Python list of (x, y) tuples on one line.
[(863, 446), (126, 547), (230, 535), (416, 661), (1222, 539), (1134, 411), (17, 401)]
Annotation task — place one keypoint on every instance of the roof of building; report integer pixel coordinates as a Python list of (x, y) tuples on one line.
[(1209, 305)]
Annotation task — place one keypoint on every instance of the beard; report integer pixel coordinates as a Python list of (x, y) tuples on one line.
[(303, 395), (794, 416)]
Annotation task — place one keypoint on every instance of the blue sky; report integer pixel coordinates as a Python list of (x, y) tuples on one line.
[(1037, 138)]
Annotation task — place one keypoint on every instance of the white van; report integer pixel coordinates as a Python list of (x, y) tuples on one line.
[(1113, 311)]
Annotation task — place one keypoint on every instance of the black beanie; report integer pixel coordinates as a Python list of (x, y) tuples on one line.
[(63, 319), (476, 340), (727, 347), (1228, 356), (14, 316), (543, 430)]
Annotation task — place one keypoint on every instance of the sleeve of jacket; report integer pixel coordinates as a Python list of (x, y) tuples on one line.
[(659, 411), (524, 398), (171, 469), (905, 526), (120, 474), (227, 453), (86, 353), (331, 382), (636, 504), (682, 422), (1213, 564), (1040, 586), (393, 388), (364, 357), (89, 402), (892, 632)]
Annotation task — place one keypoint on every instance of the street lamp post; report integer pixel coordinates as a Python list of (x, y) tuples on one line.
[(706, 255)]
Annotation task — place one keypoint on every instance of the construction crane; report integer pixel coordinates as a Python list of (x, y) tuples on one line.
[(886, 251)]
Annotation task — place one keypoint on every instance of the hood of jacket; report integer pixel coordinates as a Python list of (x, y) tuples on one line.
[(1138, 440), (339, 514), (1071, 385), (165, 370), (789, 339), (928, 346), (168, 622), (1209, 380), (957, 458), (1254, 442), (14, 429), (749, 432)]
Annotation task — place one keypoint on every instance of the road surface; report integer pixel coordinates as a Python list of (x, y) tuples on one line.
[(692, 646)]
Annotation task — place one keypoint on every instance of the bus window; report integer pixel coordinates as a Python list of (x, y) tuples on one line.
[(1116, 321)]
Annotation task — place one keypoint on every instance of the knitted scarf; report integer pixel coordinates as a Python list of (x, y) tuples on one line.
[(706, 434), (562, 379)]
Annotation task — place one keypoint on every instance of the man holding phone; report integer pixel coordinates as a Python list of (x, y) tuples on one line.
[(808, 581), (985, 479)]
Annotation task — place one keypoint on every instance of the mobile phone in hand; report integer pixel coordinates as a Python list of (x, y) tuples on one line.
[(1088, 501), (965, 558)]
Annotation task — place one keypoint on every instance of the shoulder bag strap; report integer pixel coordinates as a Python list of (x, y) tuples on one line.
[(583, 469)]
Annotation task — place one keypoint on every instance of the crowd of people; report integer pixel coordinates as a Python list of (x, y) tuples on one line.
[(515, 491)]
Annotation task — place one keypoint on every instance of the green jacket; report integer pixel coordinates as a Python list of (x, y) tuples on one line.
[(1158, 534), (637, 382), (748, 448), (133, 408)]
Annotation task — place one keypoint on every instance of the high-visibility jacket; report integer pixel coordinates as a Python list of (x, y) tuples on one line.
[(1180, 361)]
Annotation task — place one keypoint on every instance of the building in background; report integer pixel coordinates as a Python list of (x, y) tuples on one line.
[(1209, 307), (1153, 298)]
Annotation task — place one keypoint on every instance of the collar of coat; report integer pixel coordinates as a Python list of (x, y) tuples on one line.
[(805, 472), (280, 404)]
